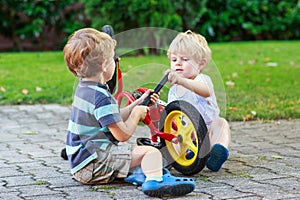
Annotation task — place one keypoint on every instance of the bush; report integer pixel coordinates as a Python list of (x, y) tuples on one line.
[(42, 24), (218, 20), (251, 20)]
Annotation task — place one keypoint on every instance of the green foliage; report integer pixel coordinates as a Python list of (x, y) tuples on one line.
[(191, 12), (218, 20), (125, 15), (21, 20), (251, 20), (128, 14)]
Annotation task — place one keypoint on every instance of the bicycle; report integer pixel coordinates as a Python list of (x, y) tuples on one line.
[(177, 129)]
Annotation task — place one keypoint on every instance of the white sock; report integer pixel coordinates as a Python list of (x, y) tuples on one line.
[(154, 178)]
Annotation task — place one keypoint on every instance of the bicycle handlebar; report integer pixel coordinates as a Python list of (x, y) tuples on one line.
[(157, 88)]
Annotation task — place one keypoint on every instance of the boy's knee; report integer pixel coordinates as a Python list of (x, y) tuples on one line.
[(221, 122), (155, 150)]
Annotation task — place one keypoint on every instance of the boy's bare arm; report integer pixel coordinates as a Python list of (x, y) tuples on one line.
[(123, 130), (125, 112), (196, 86)]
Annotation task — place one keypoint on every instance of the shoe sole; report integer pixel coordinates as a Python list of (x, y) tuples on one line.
[(176, 190)]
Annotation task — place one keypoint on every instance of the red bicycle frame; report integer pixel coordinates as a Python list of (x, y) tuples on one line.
[(153, 116)]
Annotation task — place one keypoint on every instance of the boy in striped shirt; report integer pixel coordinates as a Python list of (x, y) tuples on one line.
[(98, 130)]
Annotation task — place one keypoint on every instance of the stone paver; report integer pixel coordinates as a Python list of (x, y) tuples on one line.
[(264, 161)]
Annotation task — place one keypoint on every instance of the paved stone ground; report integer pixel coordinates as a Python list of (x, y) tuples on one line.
[(264, 161)]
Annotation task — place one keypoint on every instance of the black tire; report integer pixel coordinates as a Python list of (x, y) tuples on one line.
[(201, 146)]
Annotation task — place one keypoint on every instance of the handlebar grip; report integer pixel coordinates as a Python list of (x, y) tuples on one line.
[(161, 83), (157, 88)]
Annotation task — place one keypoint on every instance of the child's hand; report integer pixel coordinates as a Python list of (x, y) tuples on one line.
[(140, 111), (173, 77), (154, 97)]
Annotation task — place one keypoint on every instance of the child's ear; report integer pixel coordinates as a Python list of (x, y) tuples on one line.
[(202, 64), (102, 67)]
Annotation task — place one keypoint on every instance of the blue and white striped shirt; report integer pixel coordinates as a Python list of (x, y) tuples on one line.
[(93, 109)]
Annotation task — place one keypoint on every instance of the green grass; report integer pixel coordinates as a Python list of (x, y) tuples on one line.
[(40, 183), (260, 79), (43, 75), (273, 92)]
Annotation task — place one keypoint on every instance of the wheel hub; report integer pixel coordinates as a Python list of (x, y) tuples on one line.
[(179, 138)]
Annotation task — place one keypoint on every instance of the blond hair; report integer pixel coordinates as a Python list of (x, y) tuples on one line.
[(86, 50), (190, 44)]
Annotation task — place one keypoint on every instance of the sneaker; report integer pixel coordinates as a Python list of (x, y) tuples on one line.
[(218, 155), (169, 186), (137, 177), (63, 154)]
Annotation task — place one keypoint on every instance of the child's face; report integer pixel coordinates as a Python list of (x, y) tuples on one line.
[(184, 66)]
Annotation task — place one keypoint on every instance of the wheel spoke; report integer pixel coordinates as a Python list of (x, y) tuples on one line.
[(193, 148), (186, 132), (178, 122)]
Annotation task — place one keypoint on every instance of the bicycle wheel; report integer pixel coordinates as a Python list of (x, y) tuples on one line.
[(190, 154)]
